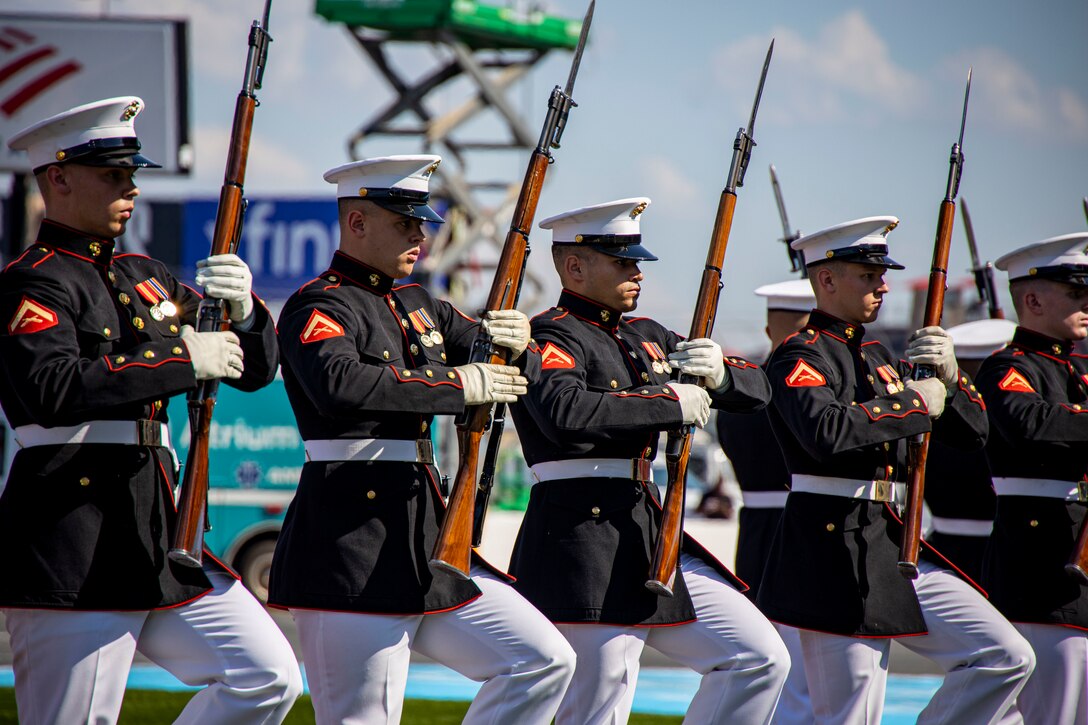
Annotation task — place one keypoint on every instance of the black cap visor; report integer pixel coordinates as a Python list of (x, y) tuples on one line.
[(419, 210), (1074, 274), (861, 254), (624, 246)]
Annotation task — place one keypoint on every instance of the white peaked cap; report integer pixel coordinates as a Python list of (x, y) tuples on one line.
[(795, 295), (1063, 259), (612, 228), (101, 133), (398, 183), (861, 240), (979, 339)]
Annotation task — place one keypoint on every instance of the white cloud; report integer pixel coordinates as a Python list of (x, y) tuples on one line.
[(1006, 96), (846, 71), (672, 188)]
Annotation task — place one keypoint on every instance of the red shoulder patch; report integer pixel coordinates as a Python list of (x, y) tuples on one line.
[(553, 357), (320, 327), (30, 317), (1014, 382), (805, 376)]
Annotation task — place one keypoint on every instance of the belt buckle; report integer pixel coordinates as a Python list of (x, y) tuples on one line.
[(148, 433), (883, 491), (1082, 491), (425, 451), (640, 469)]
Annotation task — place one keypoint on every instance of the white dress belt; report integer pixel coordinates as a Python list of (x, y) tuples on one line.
[(119, 432), (962, 527), (370, 449), (636, 469), (883, 491), (764, 499), (1042, 487)]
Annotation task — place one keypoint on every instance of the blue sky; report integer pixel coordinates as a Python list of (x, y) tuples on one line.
[(861, 107)]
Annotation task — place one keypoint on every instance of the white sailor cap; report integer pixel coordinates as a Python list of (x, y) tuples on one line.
[(1062, 259), (795, 295), (861, 240), (400, 184), (94, 134), (979, 339), (611, 228)]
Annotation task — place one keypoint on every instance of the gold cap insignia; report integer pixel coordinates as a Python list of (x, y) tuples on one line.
[(888, 228), (432, 168), (61, 155), (362, 191), (829, 254), (577, 237), (638, 209), (130, 111)]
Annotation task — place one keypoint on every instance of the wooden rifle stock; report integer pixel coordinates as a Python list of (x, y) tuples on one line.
[(918, 447), (678, 442), (453, 549), (192, 520)]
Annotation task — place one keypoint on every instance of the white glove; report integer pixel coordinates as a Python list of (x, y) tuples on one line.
[(932, 391), (701, 357), (227, 277), (933, 346), (509, 329), (487, 383), (694, 403), (213, 354)]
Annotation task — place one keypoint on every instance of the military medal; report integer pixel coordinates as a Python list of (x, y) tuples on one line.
[(425, 327), (891, 379), (157, 298), (658, 359)]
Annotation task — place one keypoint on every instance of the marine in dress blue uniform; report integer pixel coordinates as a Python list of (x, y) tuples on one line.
[(1037, 397), (367, 364), (589, 428), (963, 502), (842, 411), (764, 482), (94, 343)]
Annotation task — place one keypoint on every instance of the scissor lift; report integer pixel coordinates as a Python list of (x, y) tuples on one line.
[(492, 48)]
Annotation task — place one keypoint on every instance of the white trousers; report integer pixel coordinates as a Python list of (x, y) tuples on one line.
[(71, 666), (357, 664), (732, 645), (1058, 690), (985, 660), (794, 705)]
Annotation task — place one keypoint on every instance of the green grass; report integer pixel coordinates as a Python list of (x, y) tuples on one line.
[(145, 707)]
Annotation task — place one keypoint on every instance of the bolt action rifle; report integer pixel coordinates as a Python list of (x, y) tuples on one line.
[(678, 443), (212, 316), (984, 272), (918, 447), (462, 526)]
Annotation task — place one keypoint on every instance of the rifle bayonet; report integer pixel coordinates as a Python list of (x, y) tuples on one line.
[(561, 101), (956, 167), (983, 271), (744, 141), (797, 263)]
